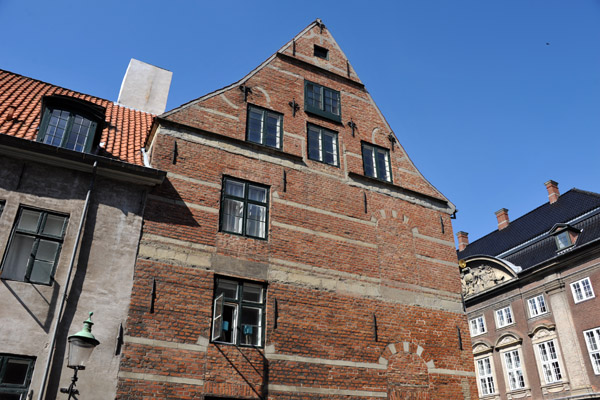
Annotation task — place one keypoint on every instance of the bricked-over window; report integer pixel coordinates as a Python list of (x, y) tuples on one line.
[(238, 312), (34, 246), (15, 376), (244, 208), (322, 101), (264, 127), (376, 162), (323, 145)]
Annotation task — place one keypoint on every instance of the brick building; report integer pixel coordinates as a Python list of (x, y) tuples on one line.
[(293, 251), (72, 191), (529, 290)]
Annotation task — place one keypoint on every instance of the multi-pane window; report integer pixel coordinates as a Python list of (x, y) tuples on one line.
[(64, 128), (592, 339), (549, 361), (514, 370), (34, 246), (244, 208), (238, 312), (15, 376), (376, 162), (484, 374), (582, 290), (265, 127), (477, 326), (537, 306), (323, 145), (322, 101), (504, 317)]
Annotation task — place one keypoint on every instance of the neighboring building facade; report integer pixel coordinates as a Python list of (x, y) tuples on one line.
[(294, 251), (66, 159), (529, 290)]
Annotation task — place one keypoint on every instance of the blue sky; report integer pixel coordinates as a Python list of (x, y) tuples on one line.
[(489, 98)]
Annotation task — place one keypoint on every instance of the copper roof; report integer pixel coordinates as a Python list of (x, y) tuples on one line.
[(122, 138)]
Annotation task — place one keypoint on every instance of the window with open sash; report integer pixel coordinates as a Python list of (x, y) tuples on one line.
[(15, 376), (323, 145), (548, 356), (537, 306), (244, 208), (376, 162), (592, 339), (322, 101), (582, 290), (264, 127), (514, 370), (238, 312), (485, 376), (34, 246)]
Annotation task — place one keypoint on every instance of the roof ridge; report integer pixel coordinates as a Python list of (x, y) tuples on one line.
[(69, 90), (537, 208)]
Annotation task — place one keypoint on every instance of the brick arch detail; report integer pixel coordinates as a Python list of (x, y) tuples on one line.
[(407, 347)]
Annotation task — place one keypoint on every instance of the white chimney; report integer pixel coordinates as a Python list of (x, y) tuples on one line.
[(145, 87)]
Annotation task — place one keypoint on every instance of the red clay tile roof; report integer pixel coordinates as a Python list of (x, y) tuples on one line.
[(124, 134)]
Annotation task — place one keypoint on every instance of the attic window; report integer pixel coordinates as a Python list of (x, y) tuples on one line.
[(321, 52), (70, 123), (563, 240)]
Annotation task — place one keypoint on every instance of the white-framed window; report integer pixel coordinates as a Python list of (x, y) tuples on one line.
[(582, 290), (477, 325), (592, 339), (504, 317), (548, 356), (485, 377), (537, 306), (514, 370)]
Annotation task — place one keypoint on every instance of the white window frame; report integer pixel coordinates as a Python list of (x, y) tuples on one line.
[(477, 326), (484, 368), (504, 317), (582, 290), (550, 365), (513, 364), (592, 340), (537, 306)]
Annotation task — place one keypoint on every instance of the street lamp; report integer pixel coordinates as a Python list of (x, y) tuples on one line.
[(81, 346)]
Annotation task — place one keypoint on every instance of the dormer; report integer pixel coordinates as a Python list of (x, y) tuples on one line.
[(71, 123), (564, 235)]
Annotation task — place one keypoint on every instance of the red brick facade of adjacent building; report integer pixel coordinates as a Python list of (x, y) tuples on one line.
[(361, 290)]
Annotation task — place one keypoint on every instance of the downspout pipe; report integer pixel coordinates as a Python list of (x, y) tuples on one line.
[(63, 300)]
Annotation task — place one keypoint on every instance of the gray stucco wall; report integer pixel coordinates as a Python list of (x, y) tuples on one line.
[(101, 281)]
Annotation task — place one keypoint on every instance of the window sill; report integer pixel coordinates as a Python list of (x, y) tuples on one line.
[(584, 300), (555, 387), (494, 396), (247, 346), (28, 282), (323, 114), (518, 393)]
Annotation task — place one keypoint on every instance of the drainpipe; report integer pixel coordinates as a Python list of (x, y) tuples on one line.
[(66, 285)]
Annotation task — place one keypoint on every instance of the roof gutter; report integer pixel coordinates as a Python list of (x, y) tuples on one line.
[(56, 156)]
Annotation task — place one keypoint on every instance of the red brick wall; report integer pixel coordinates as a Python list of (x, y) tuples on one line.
[(318, 233)]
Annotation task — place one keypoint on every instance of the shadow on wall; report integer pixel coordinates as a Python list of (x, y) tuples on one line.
[(170, 209), (39, 298)]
